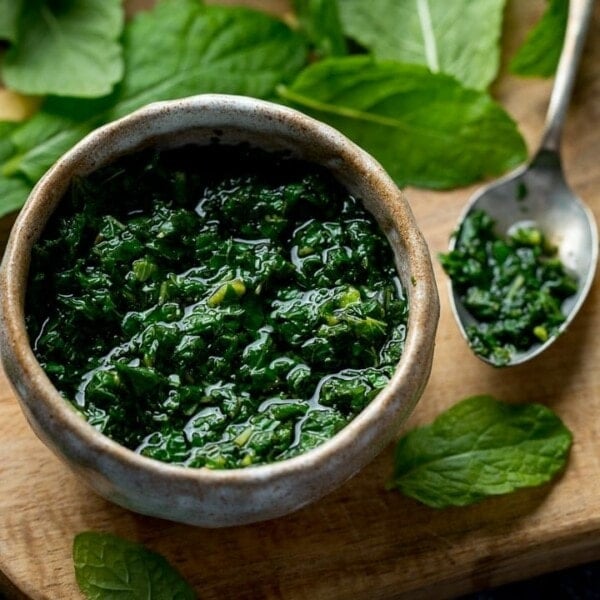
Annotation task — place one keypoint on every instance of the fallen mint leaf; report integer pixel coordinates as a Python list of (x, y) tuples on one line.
[(108, 567), (480, 447)]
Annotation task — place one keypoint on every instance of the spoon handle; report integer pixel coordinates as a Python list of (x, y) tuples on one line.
[(580, 13)]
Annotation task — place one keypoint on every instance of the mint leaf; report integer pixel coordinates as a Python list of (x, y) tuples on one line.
[(12, 192), (37, 143), (65, 48), (459, 38), (539, 54), (110, 568), (213, 49), (201, 49), (10, 10), (480, 447), (320, 21), (426, 129), (6, 145)]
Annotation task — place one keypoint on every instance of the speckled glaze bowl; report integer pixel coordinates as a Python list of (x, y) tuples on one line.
[(201, 496)]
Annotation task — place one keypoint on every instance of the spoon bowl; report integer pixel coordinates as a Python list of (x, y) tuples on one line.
[(538, 194)]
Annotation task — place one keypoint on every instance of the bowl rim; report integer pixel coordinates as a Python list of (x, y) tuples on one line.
[(30, 381)]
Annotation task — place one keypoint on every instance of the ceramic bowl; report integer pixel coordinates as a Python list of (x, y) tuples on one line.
[(201, 496)]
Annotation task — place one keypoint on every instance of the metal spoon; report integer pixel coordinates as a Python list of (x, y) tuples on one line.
[(538, 192)]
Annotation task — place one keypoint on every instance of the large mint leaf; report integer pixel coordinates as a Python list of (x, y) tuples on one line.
[(320, 22), (539, 54), (110, 568), (66, 48), (460, 38), (205, 49), (426, 129), (480, 447), (10, 11), (180, 48)]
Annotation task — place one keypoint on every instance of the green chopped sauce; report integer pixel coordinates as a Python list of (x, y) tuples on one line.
[(215, 306), (514, 287)]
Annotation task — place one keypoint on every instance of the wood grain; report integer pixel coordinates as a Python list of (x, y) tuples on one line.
[(362, 542)]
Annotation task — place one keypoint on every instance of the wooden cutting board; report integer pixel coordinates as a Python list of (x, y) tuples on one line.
[(362, 541)]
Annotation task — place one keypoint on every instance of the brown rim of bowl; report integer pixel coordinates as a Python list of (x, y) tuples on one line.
[(419, 284)]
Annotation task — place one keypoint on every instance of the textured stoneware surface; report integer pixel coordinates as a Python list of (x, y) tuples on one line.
[(200, 496)]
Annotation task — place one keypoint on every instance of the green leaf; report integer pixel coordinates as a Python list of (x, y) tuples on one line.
[(205, 49), (426, 129), (37, 143), (201, 49), (10, 11), (539, 54), (13, 191), (68, 48), (110, 568), (480, 447), (459, 38), (6, 145), (320, 21)]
